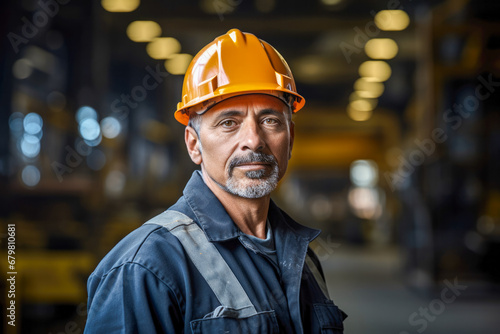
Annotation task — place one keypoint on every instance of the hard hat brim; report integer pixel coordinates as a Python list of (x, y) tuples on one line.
[(182, 114)]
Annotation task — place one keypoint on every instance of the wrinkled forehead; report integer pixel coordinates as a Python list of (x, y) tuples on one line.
[(256, 102)]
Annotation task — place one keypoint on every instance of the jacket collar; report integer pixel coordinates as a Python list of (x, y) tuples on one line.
[(217, 224)]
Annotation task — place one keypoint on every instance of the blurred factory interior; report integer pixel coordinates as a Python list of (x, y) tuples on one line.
[(396, 156)]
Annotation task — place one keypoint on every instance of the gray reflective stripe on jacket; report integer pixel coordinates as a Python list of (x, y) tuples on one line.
[(212, 265), (317, 275), (209, 263)]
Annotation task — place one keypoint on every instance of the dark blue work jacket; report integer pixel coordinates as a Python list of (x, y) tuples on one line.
[(148, 284)]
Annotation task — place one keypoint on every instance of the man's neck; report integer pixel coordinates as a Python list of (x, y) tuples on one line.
[(249, 214)]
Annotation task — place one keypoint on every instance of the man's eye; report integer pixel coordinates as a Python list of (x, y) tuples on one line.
[(270, 121), (227, 123)]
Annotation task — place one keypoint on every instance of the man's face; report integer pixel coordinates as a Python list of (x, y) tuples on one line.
[(246, 142)]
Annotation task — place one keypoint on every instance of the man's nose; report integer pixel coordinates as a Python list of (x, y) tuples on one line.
[(252, 136)]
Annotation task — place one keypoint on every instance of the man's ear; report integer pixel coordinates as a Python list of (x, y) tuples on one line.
[(192, 144), (292, 137)]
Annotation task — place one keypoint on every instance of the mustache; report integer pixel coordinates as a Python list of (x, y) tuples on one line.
[(251, 157)]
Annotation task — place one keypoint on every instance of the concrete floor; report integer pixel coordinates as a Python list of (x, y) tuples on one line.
[(367, 284)]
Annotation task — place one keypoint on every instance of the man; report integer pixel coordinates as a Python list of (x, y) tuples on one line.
[(224, 258)]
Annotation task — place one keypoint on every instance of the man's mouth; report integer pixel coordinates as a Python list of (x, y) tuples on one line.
[(253, 165)]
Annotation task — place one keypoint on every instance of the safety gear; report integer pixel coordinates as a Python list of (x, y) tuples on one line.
[(212, 265), (208, 261), (234, 64), (156, 281)]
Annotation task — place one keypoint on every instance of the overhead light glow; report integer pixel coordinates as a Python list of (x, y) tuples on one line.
[(89, 129), (363, 104), (32, 123), (30, 146), (22, 68), (368, 89), (381, 48), (115, 183), (110, 127), (179, 63), (364, 173), (84, 113), (365, 202), (392, 20), (16, 123), (163, 47), (354, 96), (120, 6), (375, 70), (371, 102), (359, 115), (93, 143), (331, 2), (40, 59), (219, 7), (143, 31), (30, 176)]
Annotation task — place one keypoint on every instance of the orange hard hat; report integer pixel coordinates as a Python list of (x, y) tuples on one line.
[(233, 64)]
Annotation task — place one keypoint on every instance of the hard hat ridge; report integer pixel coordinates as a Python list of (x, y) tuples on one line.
[(234, 64)]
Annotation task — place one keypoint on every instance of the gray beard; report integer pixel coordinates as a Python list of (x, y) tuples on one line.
[(263, 188), (265, 184)]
